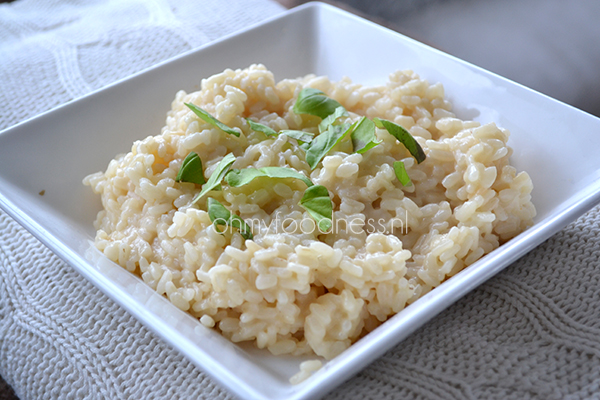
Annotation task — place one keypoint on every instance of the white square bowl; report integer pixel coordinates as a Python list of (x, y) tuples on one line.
[(555, 143)]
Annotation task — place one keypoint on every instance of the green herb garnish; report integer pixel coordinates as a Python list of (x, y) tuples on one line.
[(363, 135), (255, 126), (317, 203), (401, 173), (321, 145), (237, 178), (219, 215), (331, 118), (217, 176), (191, 170), (206, 117), (315, 102), (403, 136), (301, 136)]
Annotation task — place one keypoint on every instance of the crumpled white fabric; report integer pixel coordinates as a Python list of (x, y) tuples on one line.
[(531, 332)]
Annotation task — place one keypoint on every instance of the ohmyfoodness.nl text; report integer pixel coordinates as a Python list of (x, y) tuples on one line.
[(307, 225)]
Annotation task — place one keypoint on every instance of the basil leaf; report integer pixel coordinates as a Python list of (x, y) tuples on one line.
[(305, 146), (363, 135), (219, 215), (401, 173), (255, 126), (301, 136), (243, 228), (298, 135), (330, 120), (206, 117), (315, 102), (317, 203), (191, 170), (321, 145), (237, 178), (403, 136), (215, 179)]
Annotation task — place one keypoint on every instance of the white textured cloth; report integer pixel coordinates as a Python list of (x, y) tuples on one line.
[(531, 332)]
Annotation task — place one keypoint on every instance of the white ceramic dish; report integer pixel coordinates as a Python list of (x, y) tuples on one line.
[(555, 143)]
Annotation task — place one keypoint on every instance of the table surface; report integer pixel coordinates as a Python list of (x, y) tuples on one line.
[(533, 331)]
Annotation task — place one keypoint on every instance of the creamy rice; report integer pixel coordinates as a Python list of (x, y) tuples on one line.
[(291, 289)]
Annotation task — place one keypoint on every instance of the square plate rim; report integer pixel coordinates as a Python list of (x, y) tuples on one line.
[(348, 364)]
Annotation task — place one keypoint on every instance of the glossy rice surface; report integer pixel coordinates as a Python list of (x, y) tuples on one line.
[(294, 289)]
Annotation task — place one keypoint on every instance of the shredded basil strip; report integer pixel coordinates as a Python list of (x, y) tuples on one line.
[(315, 102), (255, 126), (206, 117), (219, 215), (305, 146), (403, 136), (215, 179), (321, 145), (301, 136), (363, 135), (401, 173), (191, 170), (317, 203), (331, 118), (237, 178)]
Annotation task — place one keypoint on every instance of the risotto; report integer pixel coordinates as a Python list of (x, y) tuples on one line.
[(301, 219)]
